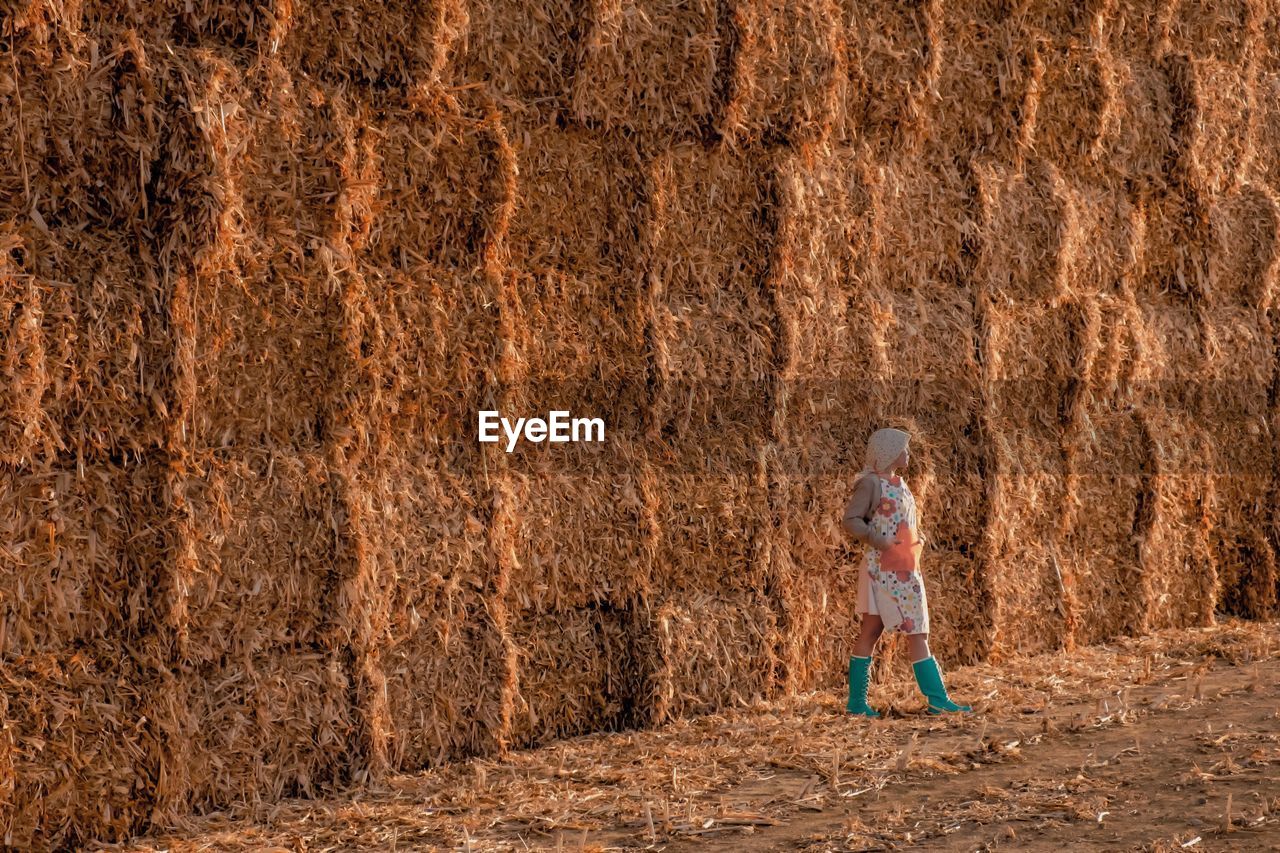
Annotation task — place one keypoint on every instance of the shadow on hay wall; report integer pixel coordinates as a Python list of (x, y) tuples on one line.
[(261, 267)]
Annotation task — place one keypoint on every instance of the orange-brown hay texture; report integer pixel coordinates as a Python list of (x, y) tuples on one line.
[(1104, 244), (582, 533), (651, 66), (1224, 31), (1033, 344), (577, 306), (891, 58), (266, 300), (1032, 597), (811, 480), (714, 319), (256, 729), (572, 677), (433, 347), (1027, 234), (1065, 21), (392, 45), (1272, 531), (442, 189), (1235, 409), (76, 570), (1239, 359), (77, 256), (1244, 259), (105, 346), (1268, 35), (1242, 464), (982, 84), (825, 230), (1212, 122), (580, 348), (1180, 572), (1168, 342), (787, 77), (523, 51), (87, 359), (80, 130), (962, 606), (1099, 549), (1139, 140), (713, 650), (924, 214), (255, 553), (1120, 347), (1075, 104), (1173, 262), (445, 667), (710, 508), (434, 643), (1034, 357), (1137, 28), (205, 23), (817, 627), (1266, 160), (431, 319), (22, 360), (80, 758), (37, 20), (580, 199)]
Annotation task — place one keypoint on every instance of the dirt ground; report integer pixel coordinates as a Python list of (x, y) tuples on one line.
[(1164, 743), (1161, 778)]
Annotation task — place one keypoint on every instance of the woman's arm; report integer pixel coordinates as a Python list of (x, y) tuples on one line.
[(859, 507)]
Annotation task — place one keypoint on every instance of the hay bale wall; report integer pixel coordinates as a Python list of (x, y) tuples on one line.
[(262, 264)]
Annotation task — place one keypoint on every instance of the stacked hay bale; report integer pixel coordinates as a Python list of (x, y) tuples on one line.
[(892, 55), (262, 266), (435, 659), (84, 398), (651, 67), (1227, 245), (714, 338), (582, 546), (257, 542), (1036, 342), (1238, 392)]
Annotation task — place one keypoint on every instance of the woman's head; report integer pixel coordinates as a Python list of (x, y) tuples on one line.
[(887, 449)]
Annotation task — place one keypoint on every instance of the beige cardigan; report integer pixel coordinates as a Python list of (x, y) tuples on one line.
[(866, 496)]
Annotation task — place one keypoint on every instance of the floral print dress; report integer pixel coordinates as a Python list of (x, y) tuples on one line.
[(890, 585)]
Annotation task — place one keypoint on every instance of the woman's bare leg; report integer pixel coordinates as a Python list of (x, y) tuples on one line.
[(918, 645), (870, 631)]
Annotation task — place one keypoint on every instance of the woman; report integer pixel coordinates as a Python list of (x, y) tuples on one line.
[(891, 595)]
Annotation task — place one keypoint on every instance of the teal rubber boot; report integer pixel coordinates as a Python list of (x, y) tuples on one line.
[(929, 677), (859, 678)]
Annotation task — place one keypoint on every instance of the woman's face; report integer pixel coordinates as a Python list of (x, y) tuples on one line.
[(903, 458)]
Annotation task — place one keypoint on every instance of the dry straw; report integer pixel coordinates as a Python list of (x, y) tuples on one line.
[(261, 265)]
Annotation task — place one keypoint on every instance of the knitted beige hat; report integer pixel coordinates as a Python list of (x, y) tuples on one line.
[(884, 446)]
